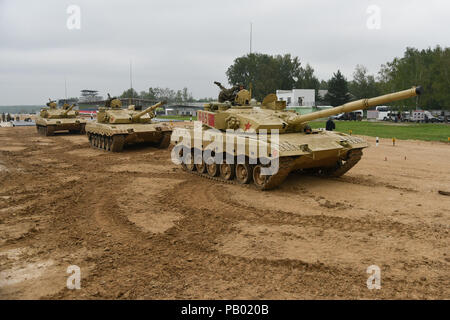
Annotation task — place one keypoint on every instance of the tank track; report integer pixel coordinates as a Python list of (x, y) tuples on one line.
[(285, 167), (116, 143), (45, 130), (218, 179), (107, 143), (165, 141), (353, 158)]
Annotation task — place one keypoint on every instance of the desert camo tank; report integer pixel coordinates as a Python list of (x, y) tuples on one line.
[(264, 142), (52, 119), (117, 127)]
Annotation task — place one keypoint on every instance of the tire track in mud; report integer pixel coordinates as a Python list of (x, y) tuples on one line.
[(275, 218), (335, 222), (222, 214), (88, 225), (358, 180)]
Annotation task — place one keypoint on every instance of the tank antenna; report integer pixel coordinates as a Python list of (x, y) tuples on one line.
[(65, 87), (131, 83)]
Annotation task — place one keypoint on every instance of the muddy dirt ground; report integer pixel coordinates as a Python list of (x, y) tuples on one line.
[(141, 228)]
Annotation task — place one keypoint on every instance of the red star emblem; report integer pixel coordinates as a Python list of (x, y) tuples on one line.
[(247, 126)]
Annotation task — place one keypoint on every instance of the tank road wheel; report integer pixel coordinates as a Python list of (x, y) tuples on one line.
[(90, 138), (100, 141), (105, 142), (94, 140), (186, 157), (117, 143), (108, 142), (227, 171), (243, 173), (189, 162), (259, 180), (83, 130), (200, 164), (212, 167)]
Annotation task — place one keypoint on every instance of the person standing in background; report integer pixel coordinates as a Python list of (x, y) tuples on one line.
[(330, 126)]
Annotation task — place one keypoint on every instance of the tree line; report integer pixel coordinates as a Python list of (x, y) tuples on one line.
[(265, 73), (429, 68), (160, 94)]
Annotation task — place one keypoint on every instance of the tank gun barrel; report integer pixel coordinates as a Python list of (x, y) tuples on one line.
[(149, 109), (359, 104), (69, 109)]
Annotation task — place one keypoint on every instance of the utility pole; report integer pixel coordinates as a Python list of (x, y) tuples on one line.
[(251, 31)]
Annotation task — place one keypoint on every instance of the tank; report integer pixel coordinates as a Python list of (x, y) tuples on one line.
[(52, 119), (117, 127), (264, 142)]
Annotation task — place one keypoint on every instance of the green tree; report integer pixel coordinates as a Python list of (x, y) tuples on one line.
[(148, 95), (363, 85), (323, 85), (429, 68), (130, 93), (307, 80), (187, 96), (266, 73), (165, 94), (337, 90), (179, 96)]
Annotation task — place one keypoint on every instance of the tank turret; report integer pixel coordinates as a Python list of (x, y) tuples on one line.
[(113, 102), (66, 112), (118, 115), (138, 116), (52, 104), (272, 114)]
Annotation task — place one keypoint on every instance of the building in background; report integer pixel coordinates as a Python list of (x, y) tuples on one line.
[(298, 97), (182, 108), (302, 101), (68, 101)]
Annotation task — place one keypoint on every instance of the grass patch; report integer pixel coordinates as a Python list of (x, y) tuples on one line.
[(416, 131), (402, 131)]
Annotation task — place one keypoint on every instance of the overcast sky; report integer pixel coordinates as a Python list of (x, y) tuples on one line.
[(190, 44)]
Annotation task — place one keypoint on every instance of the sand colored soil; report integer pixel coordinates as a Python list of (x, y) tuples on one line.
[(140, 227)]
